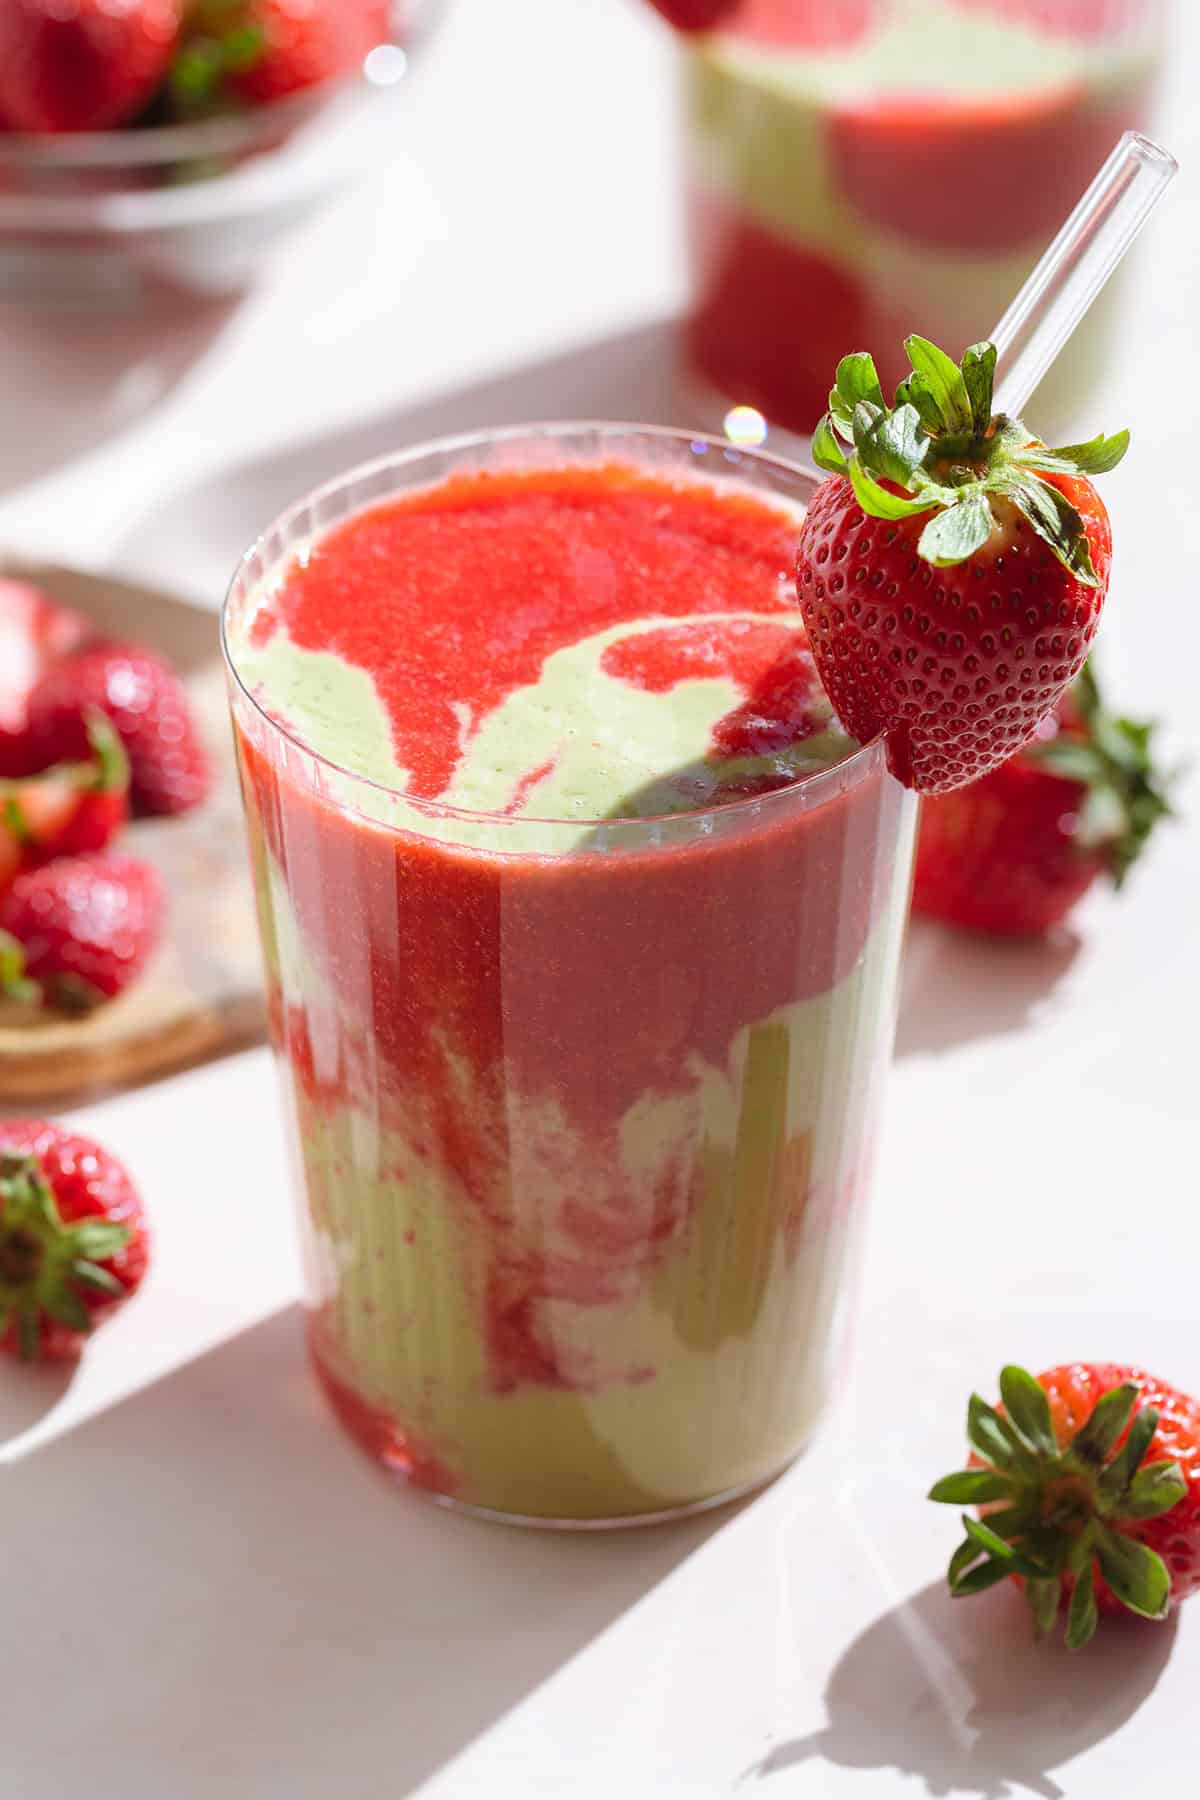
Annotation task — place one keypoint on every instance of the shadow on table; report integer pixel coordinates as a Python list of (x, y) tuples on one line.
[(202, 531), (964, 1704), (956, 986), (75, 380), (28, 1393), (291, 1623)]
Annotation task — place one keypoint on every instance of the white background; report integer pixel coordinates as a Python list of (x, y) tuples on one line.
[(206, 1591)]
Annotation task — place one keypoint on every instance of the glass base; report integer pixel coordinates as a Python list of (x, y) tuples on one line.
[(669, 1515), (382, 1443)]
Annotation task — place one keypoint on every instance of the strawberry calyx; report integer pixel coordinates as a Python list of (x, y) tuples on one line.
[(939, 449), (46, 1265), (1055, 1514), (222, 42), (1112, 757)]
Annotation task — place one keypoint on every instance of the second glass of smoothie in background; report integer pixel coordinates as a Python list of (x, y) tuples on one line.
[(859, 169), (581, 917)]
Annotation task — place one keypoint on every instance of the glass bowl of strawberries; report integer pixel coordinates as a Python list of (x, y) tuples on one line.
[(162, 147)]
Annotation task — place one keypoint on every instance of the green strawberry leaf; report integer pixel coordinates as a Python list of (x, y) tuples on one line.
[(944, 381), (917, 392), (1097, 1436), (1056, 522), (1045, 1599), (1124, 1466), (1014, 1562), (827, 453), (892, 445), (992, 1436), (102, 1281), (979, 375), (878, 502), (1136, 1574), (1082, 1618), (964, 1558), (856, 381), (971, 1487), (1154, 1490), (982, 1576), (97, 1240), (957, 533), (1096, 457), (1127, 794), (1028, 1410)]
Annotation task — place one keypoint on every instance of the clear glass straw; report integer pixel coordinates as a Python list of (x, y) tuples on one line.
[(1077, 265)]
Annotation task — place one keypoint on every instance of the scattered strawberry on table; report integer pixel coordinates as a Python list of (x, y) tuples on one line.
[(73, 1239), (1088, 1485), (1013, 853), (96, 65), (90, 729), (77, 932), (952, 570), (146, 702)]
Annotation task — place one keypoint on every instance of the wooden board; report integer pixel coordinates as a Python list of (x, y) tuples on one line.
[(202, 994)]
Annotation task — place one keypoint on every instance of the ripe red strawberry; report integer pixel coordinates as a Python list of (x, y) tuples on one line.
[(76, 932), (145, 699), (1073, 1507), (1014, 852), (73, 809), (695, 15), (952, 570), (73, 1240), (34, 632), (83, 66)]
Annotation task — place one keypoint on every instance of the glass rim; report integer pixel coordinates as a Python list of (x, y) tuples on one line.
[(837, 776)]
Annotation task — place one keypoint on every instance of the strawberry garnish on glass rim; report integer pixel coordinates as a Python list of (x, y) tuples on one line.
[(1069, 1502), (952, 570)]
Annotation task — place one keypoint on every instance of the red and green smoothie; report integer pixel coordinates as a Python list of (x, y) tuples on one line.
[(859, 169), (580, 913)]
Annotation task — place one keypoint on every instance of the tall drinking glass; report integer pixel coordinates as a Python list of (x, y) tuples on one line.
[(582, 1102), (856, 170)]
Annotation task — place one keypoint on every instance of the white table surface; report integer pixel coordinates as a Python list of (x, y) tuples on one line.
[(206, 1591)]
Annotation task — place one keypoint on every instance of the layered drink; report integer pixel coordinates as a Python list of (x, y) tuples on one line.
[(859, 169), (580, 913)]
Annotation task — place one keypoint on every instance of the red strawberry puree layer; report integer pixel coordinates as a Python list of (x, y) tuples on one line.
[(581, 1128)]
